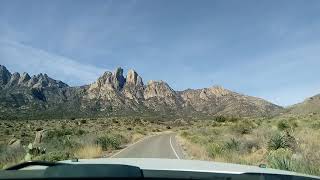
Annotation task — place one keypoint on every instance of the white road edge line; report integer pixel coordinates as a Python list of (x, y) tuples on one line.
[(175, 153), (130, 146)]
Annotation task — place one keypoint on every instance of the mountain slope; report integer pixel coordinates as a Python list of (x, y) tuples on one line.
[(114, 94), (310, 105)]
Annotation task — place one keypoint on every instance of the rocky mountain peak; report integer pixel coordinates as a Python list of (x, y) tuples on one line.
[(24, 78), (5, 75), (218, 91), (158, 89), (133, 78), (14, 79), (104, 81), (36, 81), (114, 93), (118, 78)]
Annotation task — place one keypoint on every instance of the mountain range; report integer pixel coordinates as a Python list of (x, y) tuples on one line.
[(112, 94)]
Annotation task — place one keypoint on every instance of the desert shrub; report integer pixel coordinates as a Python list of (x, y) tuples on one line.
[(57, 133), (232, 145), (137, 119), (244, 127), (10, 156), (110, 141), (185, 134), (316, 125), (199, 139), (142, 131), (80, 132), (54, 156), (250, 145), (215, 149), (220, 119), (281, 159), (215, 124), (281, 140), (233, 119), (88, 151), (83, 121), (115, 121), (282, 125), (277, 141), (304, 166)]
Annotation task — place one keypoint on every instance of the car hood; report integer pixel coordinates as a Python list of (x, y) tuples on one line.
[(186, 165)]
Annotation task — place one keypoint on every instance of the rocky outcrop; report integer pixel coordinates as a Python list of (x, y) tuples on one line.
[(134, 87), (5, 75), (40, 135), (14, 143), (37, 81), (118, 79), (158, 89), (114, 94), (24, 78), (133, 79)]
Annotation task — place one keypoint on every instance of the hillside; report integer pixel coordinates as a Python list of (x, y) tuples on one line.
[(112, 94), (309, 106)]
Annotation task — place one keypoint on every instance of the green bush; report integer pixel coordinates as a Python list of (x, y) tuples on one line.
[(110, 141), (281, 159), (282, 125), (281, 140), (58, 133), (142, 131), (232, 144), (316, 125), (277, 141), (80, 132), (244, 127), (215, 150), (185, 134), (54, 156), (11, 156), (284, 159), (249, 145), (220, 118)]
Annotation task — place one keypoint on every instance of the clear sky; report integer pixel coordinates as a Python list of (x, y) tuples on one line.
[(269, 49)]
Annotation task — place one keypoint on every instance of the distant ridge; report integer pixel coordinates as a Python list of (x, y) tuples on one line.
[(40, 96)]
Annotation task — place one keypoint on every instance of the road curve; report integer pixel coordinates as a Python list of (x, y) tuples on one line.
[(157, 146)]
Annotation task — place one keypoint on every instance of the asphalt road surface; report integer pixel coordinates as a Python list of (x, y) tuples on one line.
[(158, 146)]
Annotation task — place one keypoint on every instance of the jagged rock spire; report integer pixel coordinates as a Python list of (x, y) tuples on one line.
[(133, 78), (5, 75), (118, 79)]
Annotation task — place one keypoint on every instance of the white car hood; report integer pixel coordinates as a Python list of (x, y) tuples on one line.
[(185, 165)]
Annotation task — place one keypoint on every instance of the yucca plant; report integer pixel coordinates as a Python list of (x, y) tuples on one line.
[(281, 159), (278, 141)]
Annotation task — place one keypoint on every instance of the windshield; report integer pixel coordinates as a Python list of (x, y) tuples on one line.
[(218, 81)]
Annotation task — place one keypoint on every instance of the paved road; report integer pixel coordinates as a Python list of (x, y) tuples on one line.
[(158, 146)]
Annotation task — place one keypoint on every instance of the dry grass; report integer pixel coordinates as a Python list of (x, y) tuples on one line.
[(234, 142), (193, 151), (136, 137), (89, 151)]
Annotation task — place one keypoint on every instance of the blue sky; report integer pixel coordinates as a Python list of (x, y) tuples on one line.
[(269, 49)]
